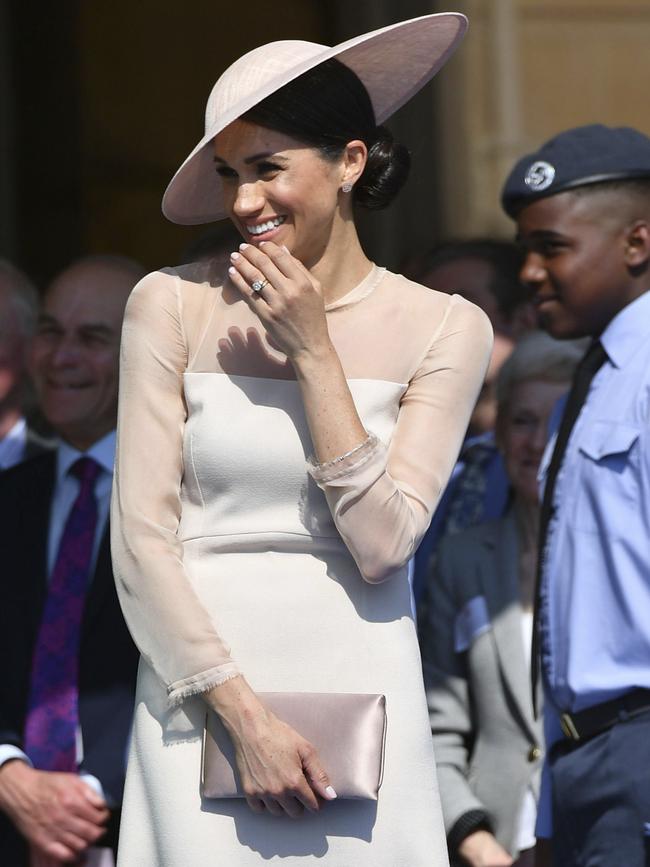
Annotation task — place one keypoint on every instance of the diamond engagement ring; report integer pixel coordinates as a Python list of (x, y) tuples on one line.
[(258, 285)]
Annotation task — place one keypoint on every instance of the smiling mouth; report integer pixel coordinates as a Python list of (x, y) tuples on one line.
[(261, 228), (540, 301), (67, 386)]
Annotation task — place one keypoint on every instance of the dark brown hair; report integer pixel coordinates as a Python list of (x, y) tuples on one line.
[(327, 107)]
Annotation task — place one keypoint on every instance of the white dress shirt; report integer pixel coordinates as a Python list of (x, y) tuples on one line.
[(66, 488), (12, 445), (528, 814)]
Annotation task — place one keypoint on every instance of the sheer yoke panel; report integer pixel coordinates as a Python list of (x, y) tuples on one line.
[(211, 426), (382, 329)]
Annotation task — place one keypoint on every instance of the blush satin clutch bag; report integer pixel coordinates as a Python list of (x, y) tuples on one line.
[(347, 729)]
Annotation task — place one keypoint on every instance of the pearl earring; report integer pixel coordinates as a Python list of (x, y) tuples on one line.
[(346, 188)]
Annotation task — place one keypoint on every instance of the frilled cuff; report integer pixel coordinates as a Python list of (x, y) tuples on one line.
[(473, 820), (180, 690), (347, 464)]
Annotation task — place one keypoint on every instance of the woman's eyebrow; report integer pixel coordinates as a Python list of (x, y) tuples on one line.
[(254, 158)]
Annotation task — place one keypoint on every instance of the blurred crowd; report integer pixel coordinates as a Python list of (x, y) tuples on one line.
[(491, 661)]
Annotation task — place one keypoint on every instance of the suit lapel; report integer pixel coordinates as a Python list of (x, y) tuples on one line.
[(501, 587), (101, 582), (33, 545)]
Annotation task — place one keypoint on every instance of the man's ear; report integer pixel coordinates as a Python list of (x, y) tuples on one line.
[(637, 245)]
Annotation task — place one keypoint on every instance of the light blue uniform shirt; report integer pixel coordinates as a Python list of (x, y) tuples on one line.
[(595, 584)]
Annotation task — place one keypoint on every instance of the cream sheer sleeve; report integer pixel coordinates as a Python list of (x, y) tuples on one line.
[(382, 497), (173, 631)]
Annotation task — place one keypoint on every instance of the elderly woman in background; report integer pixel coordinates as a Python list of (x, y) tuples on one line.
[(477, 638)]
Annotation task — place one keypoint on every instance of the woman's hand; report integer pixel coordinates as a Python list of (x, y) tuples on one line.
[(290, 305), (279, 770), (291, 308), (481, 849)]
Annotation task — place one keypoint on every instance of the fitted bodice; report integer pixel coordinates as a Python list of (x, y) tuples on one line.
[(245, 451)]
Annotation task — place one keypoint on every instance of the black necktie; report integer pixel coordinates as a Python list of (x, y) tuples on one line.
[(585, 372)]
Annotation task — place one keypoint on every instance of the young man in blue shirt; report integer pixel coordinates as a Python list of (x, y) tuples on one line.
[(582, 207)]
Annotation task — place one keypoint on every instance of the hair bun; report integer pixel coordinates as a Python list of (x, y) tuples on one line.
[(385, 173)]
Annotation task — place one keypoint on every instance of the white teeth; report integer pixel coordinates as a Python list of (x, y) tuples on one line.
[(265, 227)]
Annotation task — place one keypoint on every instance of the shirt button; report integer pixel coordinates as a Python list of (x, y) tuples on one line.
[(534, 753)]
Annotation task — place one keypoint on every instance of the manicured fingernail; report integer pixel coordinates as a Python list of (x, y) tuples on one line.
[(243, 246), (262, 243), (331, 794), (234, 255), (232, 270), (285, 248)]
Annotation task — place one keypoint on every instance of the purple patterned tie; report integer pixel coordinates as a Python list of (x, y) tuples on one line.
[(53, 714)]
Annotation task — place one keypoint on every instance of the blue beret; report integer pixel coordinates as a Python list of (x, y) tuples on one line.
[(575, 158)]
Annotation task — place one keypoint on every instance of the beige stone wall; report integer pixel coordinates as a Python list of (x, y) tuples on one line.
[(527, 70)]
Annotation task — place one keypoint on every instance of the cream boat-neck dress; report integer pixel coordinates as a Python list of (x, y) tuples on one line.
[(233, 553)]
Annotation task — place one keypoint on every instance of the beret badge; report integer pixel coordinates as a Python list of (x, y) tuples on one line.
[(539, 176)]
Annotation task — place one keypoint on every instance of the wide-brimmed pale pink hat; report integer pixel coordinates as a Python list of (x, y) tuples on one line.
[(393, 63)]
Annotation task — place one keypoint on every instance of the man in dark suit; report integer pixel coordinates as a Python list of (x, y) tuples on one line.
[(67, 662)]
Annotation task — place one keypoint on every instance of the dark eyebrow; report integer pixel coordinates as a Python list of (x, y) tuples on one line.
[(255, 158), (47, 319), (97, 328), (538, 235)]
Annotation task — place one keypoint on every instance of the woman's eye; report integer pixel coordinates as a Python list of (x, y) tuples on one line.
[(225, 172)]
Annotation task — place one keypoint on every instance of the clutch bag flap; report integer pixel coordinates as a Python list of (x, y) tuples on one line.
[(347, 729)]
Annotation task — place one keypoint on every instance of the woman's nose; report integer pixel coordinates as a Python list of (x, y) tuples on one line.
[(538, 439), (249, 200)]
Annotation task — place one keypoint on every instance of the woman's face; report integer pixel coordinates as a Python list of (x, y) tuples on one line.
[(522, 432), (278, 189)]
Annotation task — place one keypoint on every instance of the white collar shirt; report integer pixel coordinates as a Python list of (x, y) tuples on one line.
[(12, 445), (66, 488)]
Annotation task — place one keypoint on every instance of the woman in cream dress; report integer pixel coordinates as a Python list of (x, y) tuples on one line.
[(288, 420)]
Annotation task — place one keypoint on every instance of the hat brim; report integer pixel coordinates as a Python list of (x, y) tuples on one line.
[(393, 63)]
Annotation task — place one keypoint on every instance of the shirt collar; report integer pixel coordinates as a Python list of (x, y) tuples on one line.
[(13, 442), (103, 451), (627, 330), (482, 439)]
